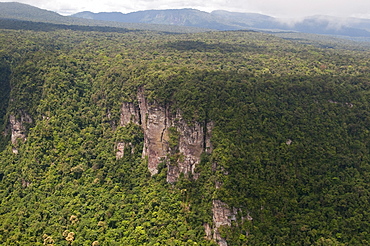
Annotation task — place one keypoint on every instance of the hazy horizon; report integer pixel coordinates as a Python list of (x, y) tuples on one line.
[(275, 8)]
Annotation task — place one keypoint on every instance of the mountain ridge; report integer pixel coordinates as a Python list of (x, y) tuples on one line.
[(225, 20), (193, 20), (180, 17), (25, 12)]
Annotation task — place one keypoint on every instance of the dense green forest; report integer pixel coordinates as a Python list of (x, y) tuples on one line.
[(290, 139)]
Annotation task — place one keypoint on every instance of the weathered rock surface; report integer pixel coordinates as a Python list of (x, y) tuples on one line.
[(129, 113), (18, 131), (208, 231), (155, 121), (193, 141), (222, 216), (120, 150)]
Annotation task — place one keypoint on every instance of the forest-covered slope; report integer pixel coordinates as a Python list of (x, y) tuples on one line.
[(142, 138)]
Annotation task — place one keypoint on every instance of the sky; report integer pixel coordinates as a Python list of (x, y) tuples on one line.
[(276, 8)]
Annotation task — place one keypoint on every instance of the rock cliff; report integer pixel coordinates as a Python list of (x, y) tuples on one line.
[(222, 216), (170, 139), (193, 141), (129, 113), (157, 122), (17, 128)]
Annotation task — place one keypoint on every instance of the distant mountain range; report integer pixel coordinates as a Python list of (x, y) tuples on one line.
[(192, 20), (22, 12), (224, 20)]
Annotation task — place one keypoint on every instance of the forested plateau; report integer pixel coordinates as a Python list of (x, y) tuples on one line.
[(214, 138)]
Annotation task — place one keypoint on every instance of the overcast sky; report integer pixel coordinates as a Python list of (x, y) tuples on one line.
[(277, 8)]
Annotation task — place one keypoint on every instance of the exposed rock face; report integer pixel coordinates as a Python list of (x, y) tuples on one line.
[(156, 121), (208, 231), (18, 131), (120, 150), (129, 113), (222, 216), (193, 141)]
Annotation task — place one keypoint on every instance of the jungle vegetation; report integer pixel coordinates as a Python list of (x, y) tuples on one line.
[(291, 138)]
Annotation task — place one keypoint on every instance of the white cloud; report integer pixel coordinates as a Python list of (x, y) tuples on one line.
[(293, 8), (278, 8)]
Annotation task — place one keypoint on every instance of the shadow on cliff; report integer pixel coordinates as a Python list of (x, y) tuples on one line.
[(4, 99)]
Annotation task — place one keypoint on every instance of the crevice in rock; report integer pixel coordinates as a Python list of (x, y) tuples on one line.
[(205, 130), (139, 115), (165, 123)]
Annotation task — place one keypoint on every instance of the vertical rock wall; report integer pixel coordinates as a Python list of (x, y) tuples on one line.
[(18, 131), (155, 121), (120, 150), (129, 113), (223, 215), (193, 140)]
